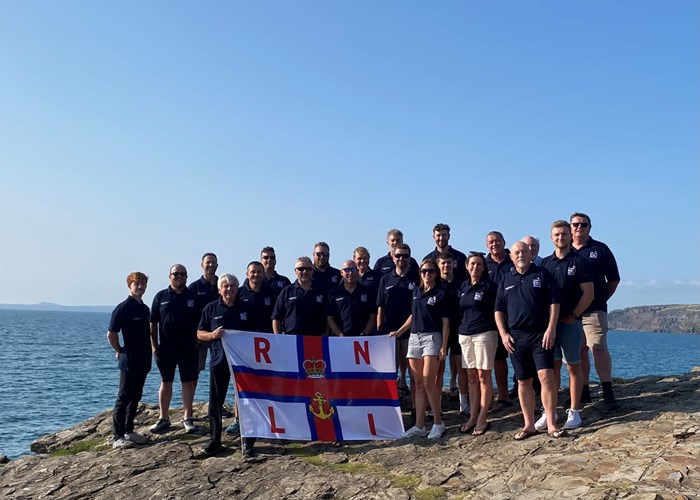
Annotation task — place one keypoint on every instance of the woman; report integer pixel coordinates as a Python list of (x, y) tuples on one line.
[(478, 336), (429, 323)]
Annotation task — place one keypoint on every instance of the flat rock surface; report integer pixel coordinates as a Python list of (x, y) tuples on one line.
[(648, 449)]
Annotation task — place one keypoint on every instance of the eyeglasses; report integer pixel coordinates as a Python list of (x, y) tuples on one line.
[(321, 254), (474, 254), (350, 270), (428, 271), (268, 257), (303, 269), (402, 256), (581, 224), (178, 275)]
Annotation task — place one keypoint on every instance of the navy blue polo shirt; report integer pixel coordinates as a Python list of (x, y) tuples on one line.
[(459, 258), (261, 304), (302, 312), (452, 294), (395, 297), (385, 265), (526, 299), (326, 280), (569, 273), (351, 310), (370, 280), (176, 316), (218, 314), (498, 270), (277, 283), (131, 318), (476, 305), (428, 309), (204, 292), (604, 268)]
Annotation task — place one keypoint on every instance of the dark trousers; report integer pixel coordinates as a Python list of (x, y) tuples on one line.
[(131, 384), (219, 379)]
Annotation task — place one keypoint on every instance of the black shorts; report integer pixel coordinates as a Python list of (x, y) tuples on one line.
[(529, 355), (184, 358), (501, 351), (453, 346)]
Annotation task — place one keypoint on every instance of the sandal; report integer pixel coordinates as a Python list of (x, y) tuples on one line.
[(466, 430), (523, 434), (481, 432), (557, 434)]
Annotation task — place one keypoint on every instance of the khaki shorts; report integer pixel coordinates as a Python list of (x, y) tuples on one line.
[(479, 350), (595, 329)]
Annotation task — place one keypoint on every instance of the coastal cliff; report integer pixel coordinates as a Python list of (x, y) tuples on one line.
[(676, 318), (647, 449)]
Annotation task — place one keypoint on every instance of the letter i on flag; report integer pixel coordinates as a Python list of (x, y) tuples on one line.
[(315, 388)]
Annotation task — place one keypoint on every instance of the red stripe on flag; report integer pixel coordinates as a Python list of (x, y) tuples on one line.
[(320, 391)]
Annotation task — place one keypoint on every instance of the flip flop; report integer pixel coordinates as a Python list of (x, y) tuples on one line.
[(500, 404), (557, 434), (523, 434), (481, 432), (467, 430)]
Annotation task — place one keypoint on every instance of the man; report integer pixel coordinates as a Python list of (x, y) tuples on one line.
[(499, 263), (367, 277), (173, 340), (230, 314), (441, 236), (275, 281), (527, 308), (134, 356), (324, 276), (534, 244), (606, 277), (574, 278), (205, 292), (394, 305), (386, 265), (302, 307), (259, 296), (352, 309)]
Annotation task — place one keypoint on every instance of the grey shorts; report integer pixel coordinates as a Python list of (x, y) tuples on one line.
[(568, 343), (424, 344)]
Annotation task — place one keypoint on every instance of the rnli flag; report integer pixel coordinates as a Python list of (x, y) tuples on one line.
[(315, 388)]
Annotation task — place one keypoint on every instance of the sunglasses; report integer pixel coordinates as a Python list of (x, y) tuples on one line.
[(302, 269), (349, 270), (321, 254), (428, 271), (179, 275), (581, 224), (474, 254), (402, 256)]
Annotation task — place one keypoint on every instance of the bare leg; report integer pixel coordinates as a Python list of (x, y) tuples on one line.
[(188, 398), (454, 370), (585, 365), (430, 368), (165, 394), (418, 390), (603, 364), (549, 397), (486, 394), (575, 384), (501, 369), (526, 395), (474, 396)]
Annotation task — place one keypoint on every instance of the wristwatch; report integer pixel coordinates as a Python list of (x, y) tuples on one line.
[(575, 318)]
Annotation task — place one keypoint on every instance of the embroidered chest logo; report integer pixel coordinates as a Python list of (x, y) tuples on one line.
[(244, 316), (268, 302), (537, 283), (571, 270), (190, 303), (319, 299), (479, 296), (593, 254), (363, 297), (334, 279), (431, 301), (201, 293), (411, 286)]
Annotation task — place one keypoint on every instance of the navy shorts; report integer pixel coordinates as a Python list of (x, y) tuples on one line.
[(501, 351), (184, 358), (529, 355)]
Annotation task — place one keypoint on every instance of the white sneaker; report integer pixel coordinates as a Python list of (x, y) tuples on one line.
[(135, 438), (415, 432), (573, 419), (121, 443), (437, 431), (188, 424), (541, 424)]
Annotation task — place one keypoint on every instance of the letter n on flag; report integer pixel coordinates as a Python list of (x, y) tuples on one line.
[(315, 388)]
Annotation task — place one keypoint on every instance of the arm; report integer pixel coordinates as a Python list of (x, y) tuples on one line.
[(612, 286), (404, 328), (113, 339), (333, 327), (276, 326), (550, 334), (503, 331), (380, 318), (204, 335), (370, 324), (445, 337), (154, 336)]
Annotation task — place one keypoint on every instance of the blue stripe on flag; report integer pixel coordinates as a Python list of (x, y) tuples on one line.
[(302, 374)]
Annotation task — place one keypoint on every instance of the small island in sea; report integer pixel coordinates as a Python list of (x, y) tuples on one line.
[(673, 318)]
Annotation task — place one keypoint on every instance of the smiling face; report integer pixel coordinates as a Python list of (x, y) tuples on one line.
[(178, 277), (520, 255), (349, 272), (321, 256), (255, 274), (361, 261), (137, 288), (496, 246), (303, 270), (442, 239), (228, 291), (269, 261), (209, 266), (580, 228), (475, 267), (428, 274), (446, 267), (561, 237)]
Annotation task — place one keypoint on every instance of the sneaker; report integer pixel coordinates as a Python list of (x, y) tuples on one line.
[(541, 424), (234, 428), (226, 412), (188, 424), (466, 410), (135, 438), (212, 448), (161, 425), (121, 443), (573, 419), (415, 432), (247, 448), (437, 431)]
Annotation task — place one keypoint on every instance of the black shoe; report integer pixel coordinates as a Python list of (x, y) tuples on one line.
[(585, 395), (212, 448), (226, 412), (513, 394)]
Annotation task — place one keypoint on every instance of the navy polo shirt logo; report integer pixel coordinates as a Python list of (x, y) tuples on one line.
[(268, 301), (201, 293), (571, 270), (479, 296), (136, 319), (280, 284), (431, 301), (509, 287), (594, 254), (411, 286), (537, 283), (363, 297), (319, 298), (165, 303), (244, 316), (334, 279), (190, 303), (218, 317)]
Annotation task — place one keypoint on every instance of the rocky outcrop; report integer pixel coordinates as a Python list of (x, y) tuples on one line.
[(647, 449), (678, 318)]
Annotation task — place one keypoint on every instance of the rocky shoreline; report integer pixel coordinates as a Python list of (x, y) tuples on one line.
[(675, 318), (647, 449)]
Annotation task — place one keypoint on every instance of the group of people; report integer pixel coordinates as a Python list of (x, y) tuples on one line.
[(471, 310)]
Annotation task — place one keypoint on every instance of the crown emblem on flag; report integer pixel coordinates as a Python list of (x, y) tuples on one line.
[(314, 367)]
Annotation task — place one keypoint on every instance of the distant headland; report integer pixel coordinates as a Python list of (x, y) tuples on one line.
[(49, 306)]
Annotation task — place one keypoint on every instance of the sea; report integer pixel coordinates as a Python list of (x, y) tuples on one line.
[(57, 369)]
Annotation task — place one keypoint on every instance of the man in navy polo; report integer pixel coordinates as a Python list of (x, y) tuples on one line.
[(385, 264), (205, 291), (574, 278), (441, 236), (134, 357), (173, 340), (534, 244), (353, 311), (302, 307), (325, 276), (394, 301), (498, 263), (527, 309), (606, 277), (275, 281), (367, 277), (227, 313), (259, 296)]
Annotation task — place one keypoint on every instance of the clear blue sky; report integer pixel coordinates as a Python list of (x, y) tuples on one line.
[(134, 135)]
